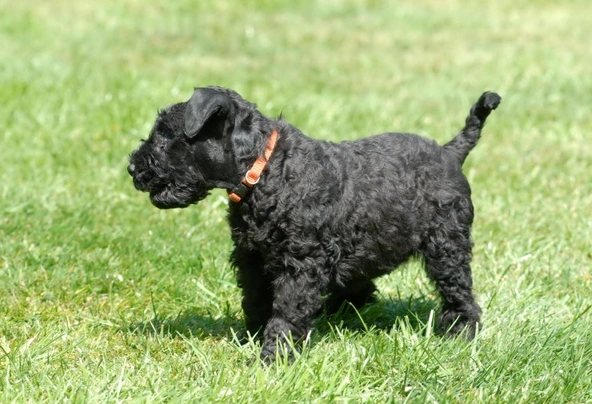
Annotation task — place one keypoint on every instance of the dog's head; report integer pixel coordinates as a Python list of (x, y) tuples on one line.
[(196, 146)]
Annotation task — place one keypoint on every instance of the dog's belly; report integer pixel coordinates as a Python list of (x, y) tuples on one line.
[(350, 269), (368, 249)]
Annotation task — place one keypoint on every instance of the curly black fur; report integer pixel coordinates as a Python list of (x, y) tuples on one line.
[(325, 218)]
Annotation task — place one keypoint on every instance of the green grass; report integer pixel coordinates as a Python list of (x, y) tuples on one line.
[(103, 298)]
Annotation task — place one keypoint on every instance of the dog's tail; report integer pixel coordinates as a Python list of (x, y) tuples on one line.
[(468, 137)]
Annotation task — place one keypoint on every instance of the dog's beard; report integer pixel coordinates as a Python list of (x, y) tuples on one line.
[(177, 196), (170, 188), (179, 191)]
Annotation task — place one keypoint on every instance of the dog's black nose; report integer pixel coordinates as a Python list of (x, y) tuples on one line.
[(131, 168)]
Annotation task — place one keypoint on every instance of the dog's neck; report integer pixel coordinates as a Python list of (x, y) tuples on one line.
[(253, 174)]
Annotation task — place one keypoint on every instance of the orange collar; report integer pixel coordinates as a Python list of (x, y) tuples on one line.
[(253, 175)]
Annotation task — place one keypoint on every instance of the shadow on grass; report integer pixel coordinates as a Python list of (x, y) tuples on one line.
[(382, 315), (189, 324)]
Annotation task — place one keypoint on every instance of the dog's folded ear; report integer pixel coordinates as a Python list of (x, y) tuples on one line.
[(205, 104)]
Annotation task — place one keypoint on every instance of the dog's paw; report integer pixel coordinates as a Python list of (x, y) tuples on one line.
[(464, 325), (267, 357), (281, 351)]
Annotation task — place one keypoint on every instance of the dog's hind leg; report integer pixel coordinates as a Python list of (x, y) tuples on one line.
[(447, 255)]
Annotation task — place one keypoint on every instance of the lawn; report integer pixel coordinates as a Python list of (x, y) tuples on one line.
[(104, 298)]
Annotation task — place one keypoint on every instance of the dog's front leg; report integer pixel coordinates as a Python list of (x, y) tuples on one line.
[(297, 295), (256, 287)]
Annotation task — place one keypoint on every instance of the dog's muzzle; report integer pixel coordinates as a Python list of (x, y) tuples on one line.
[(145, 180)]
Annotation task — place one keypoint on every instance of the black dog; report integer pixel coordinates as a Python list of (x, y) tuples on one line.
[(313, 219)]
